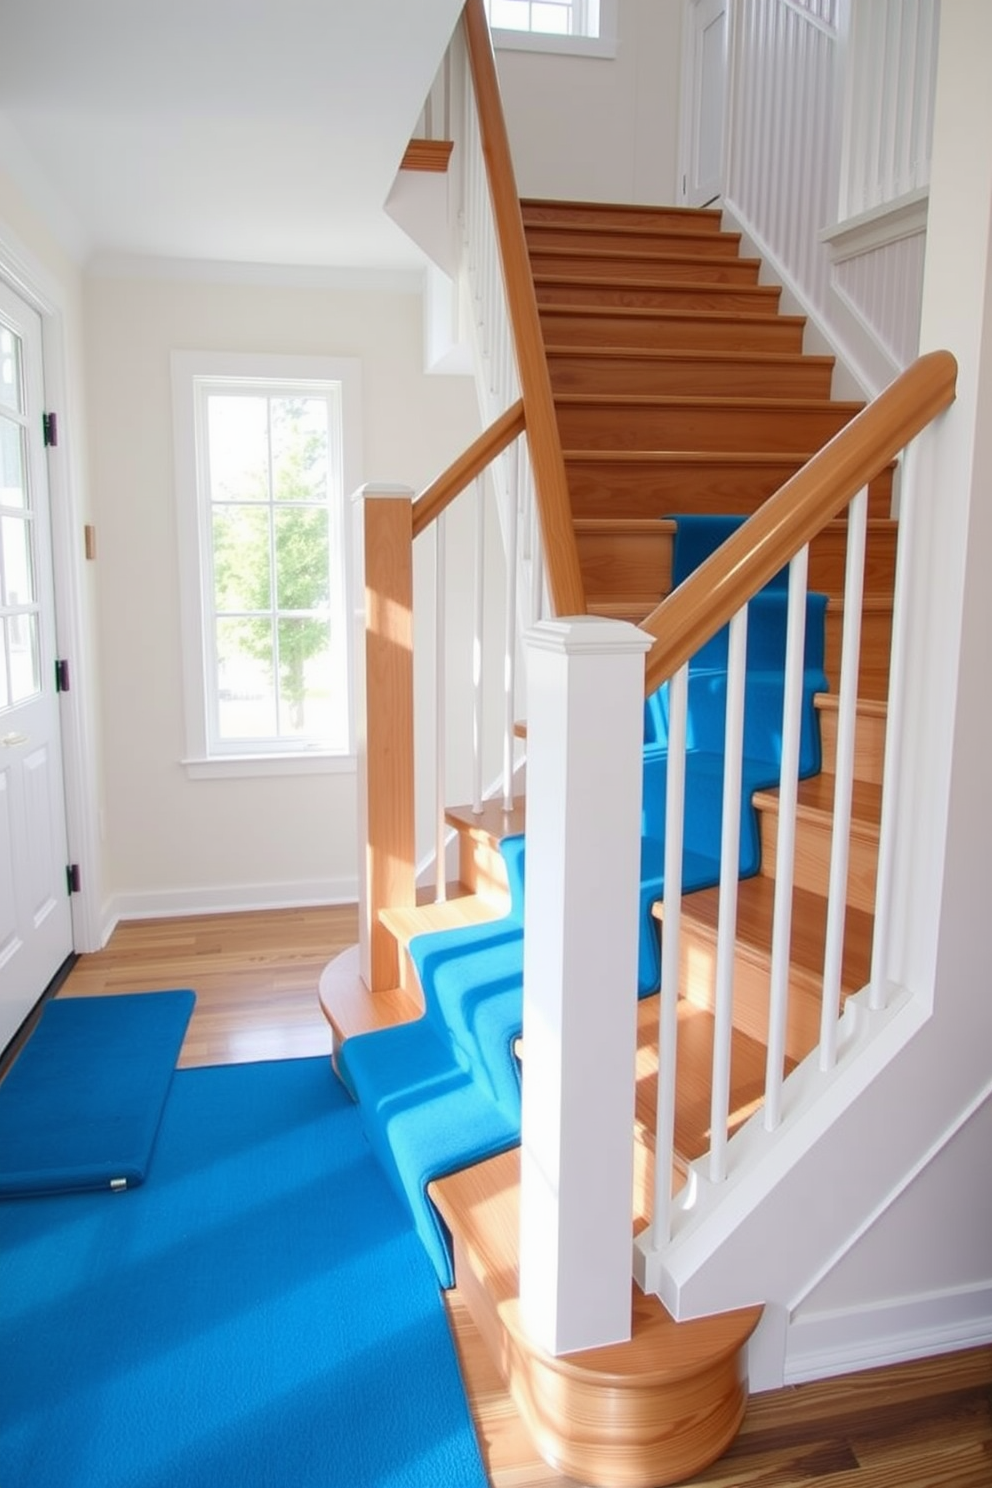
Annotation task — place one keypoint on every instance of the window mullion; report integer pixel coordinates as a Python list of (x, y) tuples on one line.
[(273, 593)]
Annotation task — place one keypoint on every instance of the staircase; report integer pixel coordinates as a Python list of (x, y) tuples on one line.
[(679, 389)]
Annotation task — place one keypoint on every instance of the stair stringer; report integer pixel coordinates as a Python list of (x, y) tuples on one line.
[(798, 1200)]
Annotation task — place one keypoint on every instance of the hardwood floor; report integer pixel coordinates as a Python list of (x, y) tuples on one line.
[(926, 1424)]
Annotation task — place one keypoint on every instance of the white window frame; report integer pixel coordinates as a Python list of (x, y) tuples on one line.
[(603, 45), (192, 374)]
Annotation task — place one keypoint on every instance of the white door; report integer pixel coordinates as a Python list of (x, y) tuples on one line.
[(706, 94), (35, 916)]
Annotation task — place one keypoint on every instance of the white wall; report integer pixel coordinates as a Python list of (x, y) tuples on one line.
[(600, 129), (927, 1261), (172, 843), (918, 1279)]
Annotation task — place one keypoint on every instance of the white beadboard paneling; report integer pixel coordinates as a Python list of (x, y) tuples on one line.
[(827, 122), (889, 81), (782, 167), (883, 288)]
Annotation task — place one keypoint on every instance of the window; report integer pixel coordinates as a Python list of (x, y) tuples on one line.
[(20, 607), (584, 26), (265, 469)]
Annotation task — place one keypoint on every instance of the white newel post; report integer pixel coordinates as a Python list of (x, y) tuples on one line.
[(585, 730)]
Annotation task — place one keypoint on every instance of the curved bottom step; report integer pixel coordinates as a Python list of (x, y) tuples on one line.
[(648, 1412)]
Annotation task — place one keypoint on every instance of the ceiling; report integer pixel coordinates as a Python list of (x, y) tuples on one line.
[(244, 131)]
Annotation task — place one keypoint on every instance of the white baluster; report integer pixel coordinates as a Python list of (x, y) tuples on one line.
[(847, 717), (510, 648), (664, 1155), (477, 642), (440, 713), (785, 847), (730, 851), (895, 735)]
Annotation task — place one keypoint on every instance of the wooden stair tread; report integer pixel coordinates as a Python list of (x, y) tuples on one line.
[(869, 707), (815, 802), (687, 230), (553, 209), (654, 313), (634, 608), (789, 461), (694, 1062), (646, 526), (468, 909), (427, 155), (629, 291), (650, 354), (755, 903), (743, 404), (491, 823), (874, 604), (481, 1206), (664, 265), (350, 1008)]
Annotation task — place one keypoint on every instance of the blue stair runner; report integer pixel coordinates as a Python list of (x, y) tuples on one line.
[(443, 1092)]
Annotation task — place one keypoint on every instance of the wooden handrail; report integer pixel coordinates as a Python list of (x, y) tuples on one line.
[(451, 483), (787, 521), (561, 554)]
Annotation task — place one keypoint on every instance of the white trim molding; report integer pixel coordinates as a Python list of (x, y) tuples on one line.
[(878, 227), (155, 904), (888, 1332)]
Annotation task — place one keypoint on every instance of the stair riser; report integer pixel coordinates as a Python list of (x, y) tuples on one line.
[(592, 214), (633, 488), (869, 745), (617, 564), (564, 327), (697, 982), (876, 648), (632, 240), (726, 298), (685, 426), (614, 565), (688, 376), (812, 859), (659, 268), (481, 870), (828, 560)]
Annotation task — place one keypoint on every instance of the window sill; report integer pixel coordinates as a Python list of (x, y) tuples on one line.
[(566, 46), (244, 766)]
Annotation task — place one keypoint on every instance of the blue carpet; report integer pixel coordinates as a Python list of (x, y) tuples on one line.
[(82, 1102), (443, 1092), (258, 1313)]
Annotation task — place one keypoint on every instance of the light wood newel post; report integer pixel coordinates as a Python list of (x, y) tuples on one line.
[(384, 721)]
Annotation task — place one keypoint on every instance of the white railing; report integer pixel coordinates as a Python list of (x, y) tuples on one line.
[(497, 379), (829, 130), (509, 480), (675, 1213)]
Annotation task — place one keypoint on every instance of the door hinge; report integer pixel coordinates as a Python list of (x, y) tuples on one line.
[(50, 429), (61, 676), (72, 878)]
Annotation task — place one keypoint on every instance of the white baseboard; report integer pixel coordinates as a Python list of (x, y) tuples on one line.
[(153, 904), (890, 1332)]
